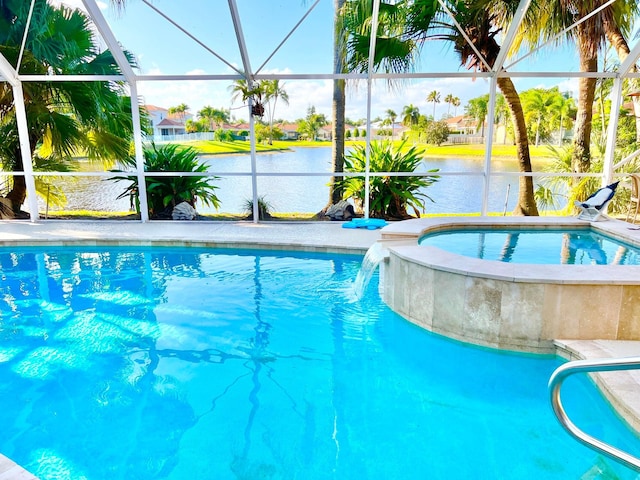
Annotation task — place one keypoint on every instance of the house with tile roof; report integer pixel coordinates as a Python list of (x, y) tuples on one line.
[(164, 124), (290, 131), (462, 124)]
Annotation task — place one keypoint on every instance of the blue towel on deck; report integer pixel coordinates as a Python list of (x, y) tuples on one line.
[(368, 223)]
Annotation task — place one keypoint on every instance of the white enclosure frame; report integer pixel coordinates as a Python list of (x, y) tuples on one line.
[(12, 76)]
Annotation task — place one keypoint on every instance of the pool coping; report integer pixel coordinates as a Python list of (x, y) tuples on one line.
[(620, 388)]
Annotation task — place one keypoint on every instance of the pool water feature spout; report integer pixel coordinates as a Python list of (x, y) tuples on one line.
[(372, 259)]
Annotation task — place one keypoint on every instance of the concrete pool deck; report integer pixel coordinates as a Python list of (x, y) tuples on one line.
[(621, 388)]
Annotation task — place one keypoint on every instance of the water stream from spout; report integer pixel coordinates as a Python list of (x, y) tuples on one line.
[(374, 256)]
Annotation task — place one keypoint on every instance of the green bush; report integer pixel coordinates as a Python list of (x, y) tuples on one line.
[(436, 133), (222, 135), (164, 193), (389, 197)]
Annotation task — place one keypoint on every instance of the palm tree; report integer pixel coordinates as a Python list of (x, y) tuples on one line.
[(539, 104), (391, 116), (602, 93), (64, 117), (220, 117), (243, 90), (410, 115), (215, 117), (478, 23), (338, 103), (502, 115), (239, 90), (477, 108), (420, 21), (449, 100), (562, 111), (311, 125), (456, 103), (434, 96), (613, 23), (180, 110), (617, 30), (272, 91)]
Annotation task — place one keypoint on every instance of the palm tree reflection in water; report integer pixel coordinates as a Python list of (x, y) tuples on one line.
[(258, 352)]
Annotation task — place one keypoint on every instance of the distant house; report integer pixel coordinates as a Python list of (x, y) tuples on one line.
[(324, 133), (240, 131), (165, 124), (462, 124), (290, 131), (381, 131)]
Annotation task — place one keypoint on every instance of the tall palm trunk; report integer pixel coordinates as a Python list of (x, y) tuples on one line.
[(619, 43), (526, 199), (338, 106), (337, 150), (18, 193), (481, 31), (561, 130), (581, 159)]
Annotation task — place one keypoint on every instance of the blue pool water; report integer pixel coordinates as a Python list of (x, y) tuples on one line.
[(202, 364), (541, 246)]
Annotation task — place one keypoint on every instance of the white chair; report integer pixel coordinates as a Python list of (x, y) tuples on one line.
[(634, 198), (596, 204)]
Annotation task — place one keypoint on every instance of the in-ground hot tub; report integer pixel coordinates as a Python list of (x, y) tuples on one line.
[(514, 306)]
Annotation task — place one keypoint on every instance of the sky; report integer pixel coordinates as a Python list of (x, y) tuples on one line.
[(162, 48)]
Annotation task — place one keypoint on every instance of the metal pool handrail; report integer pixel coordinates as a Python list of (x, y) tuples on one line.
[(581, 366)]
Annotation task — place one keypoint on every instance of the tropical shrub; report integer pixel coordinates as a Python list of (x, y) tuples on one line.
[(436, 133), (164, 193), (264, 208), (389, 197), (264, 133), (222, 135), (552, 192)]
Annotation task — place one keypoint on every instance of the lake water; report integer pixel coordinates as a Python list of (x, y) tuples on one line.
[(295, 193)]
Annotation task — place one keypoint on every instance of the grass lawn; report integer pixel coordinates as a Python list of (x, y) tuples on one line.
[(212, 147), (501, 151)]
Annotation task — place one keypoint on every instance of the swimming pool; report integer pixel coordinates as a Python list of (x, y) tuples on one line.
[(181, 363), (536, 246)]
